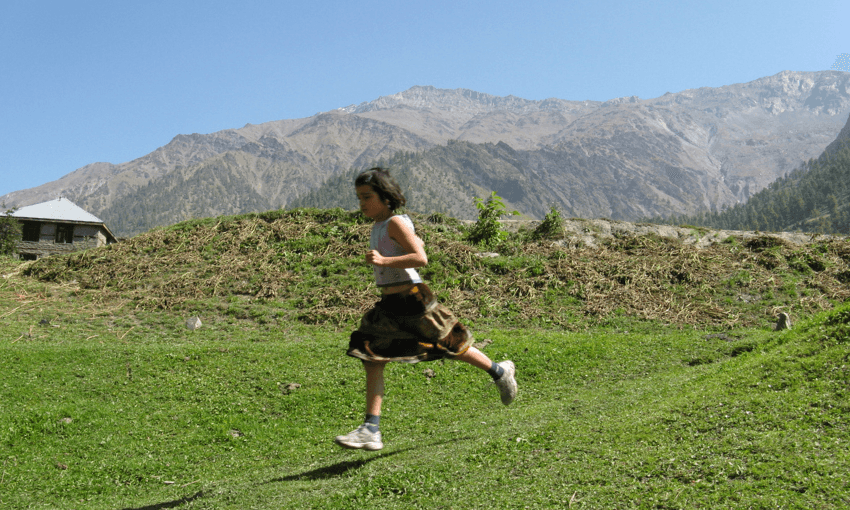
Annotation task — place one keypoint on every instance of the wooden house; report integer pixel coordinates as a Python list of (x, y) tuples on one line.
[(59, 226)]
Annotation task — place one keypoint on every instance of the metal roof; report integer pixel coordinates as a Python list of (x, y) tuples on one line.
[(60, 209)]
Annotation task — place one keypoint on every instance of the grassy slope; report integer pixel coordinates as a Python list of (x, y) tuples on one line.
[(108, 401)]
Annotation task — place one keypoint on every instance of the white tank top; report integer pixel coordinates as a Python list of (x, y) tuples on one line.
[(388, 247)]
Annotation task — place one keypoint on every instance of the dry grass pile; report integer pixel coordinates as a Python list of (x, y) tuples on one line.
[(308, 265)]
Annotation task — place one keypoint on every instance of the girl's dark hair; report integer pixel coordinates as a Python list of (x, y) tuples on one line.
[(384, 185)]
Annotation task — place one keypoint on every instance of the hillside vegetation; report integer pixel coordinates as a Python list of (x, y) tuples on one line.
[(307, 265), (650, 375)]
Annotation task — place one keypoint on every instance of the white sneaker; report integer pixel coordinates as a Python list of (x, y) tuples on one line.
[(507, 383), (361, 438)]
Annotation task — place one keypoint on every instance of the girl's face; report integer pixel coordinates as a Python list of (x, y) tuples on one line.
[(371, 204)]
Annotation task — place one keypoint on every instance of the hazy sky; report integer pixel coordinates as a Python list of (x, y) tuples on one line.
[(106, 80)]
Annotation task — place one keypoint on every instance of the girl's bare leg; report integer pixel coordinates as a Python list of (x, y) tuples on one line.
[(503, 374), (374, 386), (476, 358), (367, 436)]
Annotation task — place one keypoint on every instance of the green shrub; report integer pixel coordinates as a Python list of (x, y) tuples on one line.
[(552, 225), (10, 233), (487, 231)]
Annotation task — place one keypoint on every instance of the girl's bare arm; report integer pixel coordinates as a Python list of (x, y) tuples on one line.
[(409, 241)]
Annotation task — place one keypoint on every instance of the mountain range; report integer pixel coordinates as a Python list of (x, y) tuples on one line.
[(814, 198), (696, 150)]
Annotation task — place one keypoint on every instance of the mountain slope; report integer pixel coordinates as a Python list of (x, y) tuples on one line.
[(697, 150), (814, 198), (585, 181)]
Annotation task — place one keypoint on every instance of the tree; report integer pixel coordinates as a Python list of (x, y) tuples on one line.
[(10, 233)]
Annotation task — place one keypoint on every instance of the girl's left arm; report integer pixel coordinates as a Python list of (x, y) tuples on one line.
[(412, 244)]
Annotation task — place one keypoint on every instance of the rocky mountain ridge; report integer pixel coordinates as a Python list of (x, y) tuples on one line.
[(699, 148), (463, 100)]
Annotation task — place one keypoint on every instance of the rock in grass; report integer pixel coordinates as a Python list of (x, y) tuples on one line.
[(193, 323), (783, 321), (289, 388)]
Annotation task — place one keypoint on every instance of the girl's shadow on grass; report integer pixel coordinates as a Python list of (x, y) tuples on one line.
[(323, 473), (170, 504), (341, 468), (316, 474)]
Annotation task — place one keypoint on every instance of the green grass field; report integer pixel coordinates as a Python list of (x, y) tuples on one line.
[(107, 400)]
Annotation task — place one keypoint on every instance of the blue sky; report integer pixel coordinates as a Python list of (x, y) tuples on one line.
[(87, 81)]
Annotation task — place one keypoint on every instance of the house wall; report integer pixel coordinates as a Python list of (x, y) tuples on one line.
[(85, 236), (89, 235)]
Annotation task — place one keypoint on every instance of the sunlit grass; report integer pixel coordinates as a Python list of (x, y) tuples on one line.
[(209, 419), (108, 400)]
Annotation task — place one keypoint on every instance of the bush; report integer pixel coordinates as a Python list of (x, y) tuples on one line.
[(10, 233), (552, 226), (487, 231)]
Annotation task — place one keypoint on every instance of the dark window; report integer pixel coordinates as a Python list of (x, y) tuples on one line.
[(64, 234), (29, 256), (31, 231)]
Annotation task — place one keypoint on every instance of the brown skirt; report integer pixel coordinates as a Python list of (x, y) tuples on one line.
[(409, 327)]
